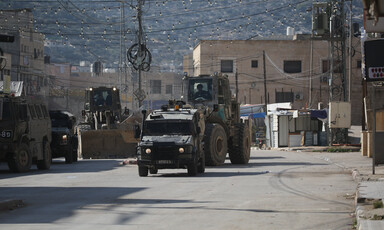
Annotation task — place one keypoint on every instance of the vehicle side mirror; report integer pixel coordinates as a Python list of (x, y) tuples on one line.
[(126, 111), (137, 131)]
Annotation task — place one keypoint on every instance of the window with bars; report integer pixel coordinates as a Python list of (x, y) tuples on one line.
[(292, 66), (168, 89), (226, 66), (254, 64), (284, 97), (155, 86)]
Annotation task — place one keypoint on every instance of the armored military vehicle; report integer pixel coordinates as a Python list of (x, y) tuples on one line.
[(172, 138), (25, 129), (224, 131), (64, 138)]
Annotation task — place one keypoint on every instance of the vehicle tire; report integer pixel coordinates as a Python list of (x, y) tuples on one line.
[(201, 164), (74, 156), (215, 145), (74, 148), (21, 160), (192, 169), (143, 171), (153, 170), (240, 147), (69, 156), (47, 157)]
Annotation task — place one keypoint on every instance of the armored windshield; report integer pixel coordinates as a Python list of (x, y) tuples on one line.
[(200, 89), (159, 128), (102, 97), (59, 119)]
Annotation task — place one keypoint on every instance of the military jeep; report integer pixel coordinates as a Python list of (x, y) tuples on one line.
[(64, 139), (171, 138), (25, 131)]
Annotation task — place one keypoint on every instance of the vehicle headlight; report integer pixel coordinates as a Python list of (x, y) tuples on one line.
[(148, 151), (181, 150), (64, 140)]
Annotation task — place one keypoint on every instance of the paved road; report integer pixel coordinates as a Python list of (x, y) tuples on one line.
[(276, 190)]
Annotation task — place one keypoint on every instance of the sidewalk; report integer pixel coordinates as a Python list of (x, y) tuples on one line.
[(370, 190)]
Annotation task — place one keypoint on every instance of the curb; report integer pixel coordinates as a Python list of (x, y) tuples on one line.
[(7, 205), (359, 210)]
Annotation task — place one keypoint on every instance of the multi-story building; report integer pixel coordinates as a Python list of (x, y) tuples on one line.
[(292, 69), (5, 66), (27, 50)]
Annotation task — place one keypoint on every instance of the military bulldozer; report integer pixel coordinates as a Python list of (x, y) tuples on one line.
[(224, 130), (107, 131)]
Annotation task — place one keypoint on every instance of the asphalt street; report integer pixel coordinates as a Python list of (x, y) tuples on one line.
[(276, 190)]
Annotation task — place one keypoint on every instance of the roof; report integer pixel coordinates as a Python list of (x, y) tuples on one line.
[(16, 87), (182, 114)]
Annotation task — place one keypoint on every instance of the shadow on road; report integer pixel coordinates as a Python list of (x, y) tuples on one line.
[(51, 204), (83, 166)]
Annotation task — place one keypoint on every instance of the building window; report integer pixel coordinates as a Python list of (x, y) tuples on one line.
[(168, 89), (292, 66), (358, 64), (284, 97), (337, 66), (227, 66), (254, 64), (155, 86), (325, 66)]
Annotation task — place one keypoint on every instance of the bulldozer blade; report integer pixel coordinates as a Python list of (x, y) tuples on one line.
[(106, 144)]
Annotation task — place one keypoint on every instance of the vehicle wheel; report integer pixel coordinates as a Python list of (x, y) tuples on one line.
[(69, 156), (74, 148), (192, 169), (47, 157), (74, 156), (240, 148), (143, 171), (215, 145), (201, 164), (21, 160), (153, 170)]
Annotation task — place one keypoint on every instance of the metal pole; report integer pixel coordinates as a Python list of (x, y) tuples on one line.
[(350, 55), (140, 42), (121, 44), (265, 82), (310, 75), (373, 129), (237, 86)]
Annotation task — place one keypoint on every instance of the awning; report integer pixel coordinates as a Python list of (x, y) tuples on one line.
[(254, 115)]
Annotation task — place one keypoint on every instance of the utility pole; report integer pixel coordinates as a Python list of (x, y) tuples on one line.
[(310, 73), (140, 51), (265, 83), (237, 86), (350, 54), (121, 44)]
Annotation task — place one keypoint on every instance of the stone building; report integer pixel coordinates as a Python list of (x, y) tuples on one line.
[(289, 67), (27, 50)]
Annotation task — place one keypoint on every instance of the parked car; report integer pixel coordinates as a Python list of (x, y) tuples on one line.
[(64, 139)]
